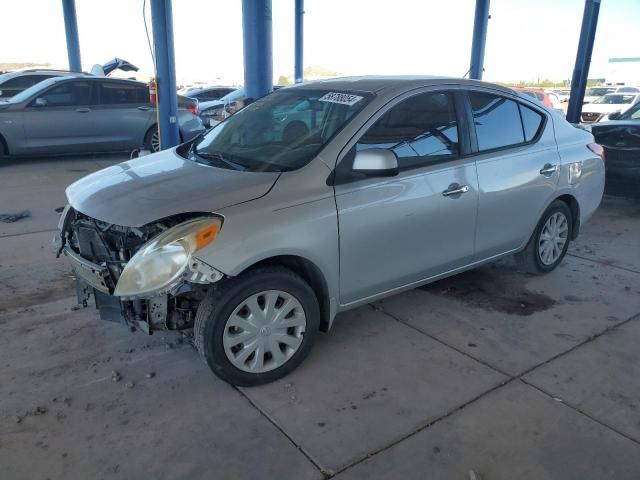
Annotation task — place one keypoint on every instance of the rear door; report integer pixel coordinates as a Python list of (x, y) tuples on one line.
[(518, 169), (61, 119), (395, 231), (123, 114)]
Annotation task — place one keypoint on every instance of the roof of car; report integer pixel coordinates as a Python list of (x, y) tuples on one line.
[(375, 84), (94, 77)]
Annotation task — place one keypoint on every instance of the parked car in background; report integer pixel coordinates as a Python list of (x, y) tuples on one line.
[(548, 99), (207, 93), (563, 95), (594, 93), (620, 138), (256, 238), (85, 113), (214, 111), (12, 83), (539, 94), (600, 108)]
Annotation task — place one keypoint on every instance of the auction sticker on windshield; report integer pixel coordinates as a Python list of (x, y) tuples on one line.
[(341, 98)]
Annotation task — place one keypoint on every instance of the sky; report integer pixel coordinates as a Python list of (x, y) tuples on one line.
[(527, 39)]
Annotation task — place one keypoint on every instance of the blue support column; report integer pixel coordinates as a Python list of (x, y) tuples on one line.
[(299, 65), (480, 24), (257, 40), (71, 32), (583, 59), (162, 24)]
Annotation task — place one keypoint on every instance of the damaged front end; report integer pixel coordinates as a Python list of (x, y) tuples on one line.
[(145, 277)]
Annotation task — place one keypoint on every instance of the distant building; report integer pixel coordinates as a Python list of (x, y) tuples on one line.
[(623, 71)]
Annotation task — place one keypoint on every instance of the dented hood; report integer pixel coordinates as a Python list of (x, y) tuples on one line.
[(146, 189)]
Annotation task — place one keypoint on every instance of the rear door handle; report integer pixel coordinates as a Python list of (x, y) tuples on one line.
[(455, 189), (83, 110), (144, 108), (548, 169)]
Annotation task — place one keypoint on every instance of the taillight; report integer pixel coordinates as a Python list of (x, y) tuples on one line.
[(194, 108), (598, 150)]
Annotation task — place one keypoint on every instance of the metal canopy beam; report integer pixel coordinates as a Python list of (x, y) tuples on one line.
[(299, 65), (480, 24), (257, 43), (583, 59), (71, 32), (162, 24)]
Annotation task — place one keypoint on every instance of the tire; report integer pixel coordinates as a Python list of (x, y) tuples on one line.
[(533, 258), (151, 140), (228, 302)]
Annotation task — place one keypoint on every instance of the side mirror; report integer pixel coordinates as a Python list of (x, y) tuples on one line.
[(40, 102), (615, 115), (376, 162)]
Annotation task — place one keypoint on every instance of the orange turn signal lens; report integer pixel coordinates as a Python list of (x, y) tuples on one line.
[(205, 236)]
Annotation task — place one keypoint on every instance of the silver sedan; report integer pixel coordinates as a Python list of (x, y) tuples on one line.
[(322, 197)]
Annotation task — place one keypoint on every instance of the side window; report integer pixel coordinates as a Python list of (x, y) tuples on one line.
[(68, 94), (531, 122), (112, 93), (420, 130), (497, 121), (142, 94)]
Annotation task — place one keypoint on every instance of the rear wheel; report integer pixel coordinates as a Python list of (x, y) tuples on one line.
[(152, 140), (258, 327), (550, 240)]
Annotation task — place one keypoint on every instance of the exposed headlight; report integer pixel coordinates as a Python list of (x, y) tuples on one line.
[(161, 261)]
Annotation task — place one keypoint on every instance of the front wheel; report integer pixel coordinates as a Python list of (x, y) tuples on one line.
[(550, 240), (258, 327)]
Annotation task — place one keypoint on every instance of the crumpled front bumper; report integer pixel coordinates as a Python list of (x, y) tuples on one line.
[(96, 276)]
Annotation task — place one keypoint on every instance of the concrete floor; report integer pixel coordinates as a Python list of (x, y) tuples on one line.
[(511, 376)]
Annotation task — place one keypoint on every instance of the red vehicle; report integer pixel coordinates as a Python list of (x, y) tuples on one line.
[(541, 95)]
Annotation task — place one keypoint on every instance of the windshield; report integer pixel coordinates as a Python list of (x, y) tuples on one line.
[(598, 92), (282, 131), (615, 99), (632, 114)]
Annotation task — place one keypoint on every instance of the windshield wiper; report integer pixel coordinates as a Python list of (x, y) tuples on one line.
[(219, 157)]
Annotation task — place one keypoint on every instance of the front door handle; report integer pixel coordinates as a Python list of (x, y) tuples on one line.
[(144, 108), (455, 189), (548, 169), (83, 110)]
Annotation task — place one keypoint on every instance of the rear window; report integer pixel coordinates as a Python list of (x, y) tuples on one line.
[(112, 93), (497, 121), (531, 122)]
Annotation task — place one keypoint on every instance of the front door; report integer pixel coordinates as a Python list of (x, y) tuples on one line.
[(62, 119), (399, 230)]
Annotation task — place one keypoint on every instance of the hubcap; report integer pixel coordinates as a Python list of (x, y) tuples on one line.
[(264, 331), (553, 238), (155, 142)]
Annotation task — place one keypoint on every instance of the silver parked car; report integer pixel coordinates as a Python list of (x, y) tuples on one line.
[(12, 83), (322, 197), (82, 113)]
